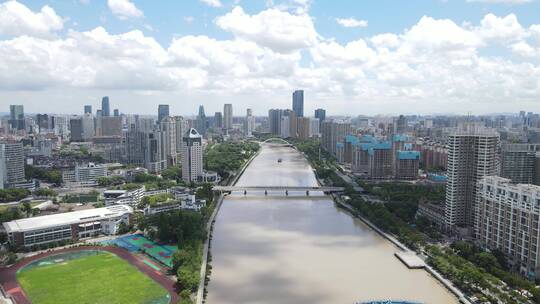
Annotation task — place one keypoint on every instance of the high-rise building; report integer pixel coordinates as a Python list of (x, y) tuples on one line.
[(134, 141), (218, 120), (274, 119), (111, 126), (293, 124), (13, 156), (201, 121), (249, 123), (76, 129), (285, 127), (181, 129), (472, 154), (61, 126), (517, 162), (314, 127), (168, 140), (87, 109), (192, 156), (163, 111), (43, 122), (407, 164), (105, 107), (116, 113), (87, 127), (507, 219), (401, 125), (298, 102), (334, 132), (16, 117), (321, 115), (154, 158), (227, 116), (304, 125)]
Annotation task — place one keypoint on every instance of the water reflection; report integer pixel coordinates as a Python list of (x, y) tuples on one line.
[(303, 249)]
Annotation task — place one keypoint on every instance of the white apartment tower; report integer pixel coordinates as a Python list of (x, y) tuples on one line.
[(507, 219), (249, 124), (472, 154), (192, 156), (168, 131)]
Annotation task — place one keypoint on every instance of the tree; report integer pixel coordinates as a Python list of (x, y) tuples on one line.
[(27, 208)]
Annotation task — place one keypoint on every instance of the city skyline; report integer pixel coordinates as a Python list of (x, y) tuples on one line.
[(433, 58)]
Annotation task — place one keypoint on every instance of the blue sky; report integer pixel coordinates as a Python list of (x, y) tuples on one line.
[(414, 56)]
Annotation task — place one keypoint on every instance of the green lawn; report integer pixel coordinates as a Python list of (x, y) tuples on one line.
[(102, 278)]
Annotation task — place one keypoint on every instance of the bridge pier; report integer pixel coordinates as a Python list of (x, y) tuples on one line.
[(265, 192), (245, 192), (307, 192), (286, 192)]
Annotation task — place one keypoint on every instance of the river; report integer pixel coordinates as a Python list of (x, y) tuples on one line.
[(300, 249)]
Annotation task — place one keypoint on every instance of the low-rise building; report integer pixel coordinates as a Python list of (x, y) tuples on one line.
[(85, 175), (67, 226), (124, 197)]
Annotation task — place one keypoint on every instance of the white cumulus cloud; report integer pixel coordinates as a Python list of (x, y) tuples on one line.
[(124, 9), (351, 22), (17, 19), (212, 3)]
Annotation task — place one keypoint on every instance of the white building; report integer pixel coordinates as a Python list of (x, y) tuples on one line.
[(227, 116), (285, 127), (508, 220), (86, 175), (168, 139), (67, 226), (88, 127), (249, 123), (472, 154), (124, 197), (192, 156)]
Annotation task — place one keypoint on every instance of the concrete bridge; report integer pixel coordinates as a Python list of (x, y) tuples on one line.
[(285, 189)]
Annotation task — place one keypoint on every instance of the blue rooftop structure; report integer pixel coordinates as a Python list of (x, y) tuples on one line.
[(351, 139), (367, 139), (403, 155), (407, 146), (400, 137)]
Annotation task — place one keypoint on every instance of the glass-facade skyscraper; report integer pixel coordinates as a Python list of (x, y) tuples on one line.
[(298, 103), (105, 106), (163, 111)]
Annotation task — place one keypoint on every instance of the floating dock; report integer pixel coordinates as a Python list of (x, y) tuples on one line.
[(410, 259)]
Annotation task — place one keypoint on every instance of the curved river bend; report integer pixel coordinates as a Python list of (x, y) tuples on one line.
[(303, 249)]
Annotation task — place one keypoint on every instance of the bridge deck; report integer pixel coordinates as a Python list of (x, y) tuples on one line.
[(277, 188)]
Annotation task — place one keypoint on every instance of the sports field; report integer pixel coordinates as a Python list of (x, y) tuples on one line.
[(93, 277)]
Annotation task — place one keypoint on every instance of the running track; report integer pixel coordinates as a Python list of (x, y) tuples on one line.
[(8, 276)]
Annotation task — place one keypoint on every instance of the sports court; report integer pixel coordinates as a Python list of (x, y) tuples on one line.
[(138, 242)]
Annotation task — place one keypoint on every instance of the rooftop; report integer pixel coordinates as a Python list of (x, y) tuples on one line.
[(41, 222)]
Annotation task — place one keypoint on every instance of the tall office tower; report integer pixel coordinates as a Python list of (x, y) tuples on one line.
[(181, 129), (87, 109), (192, 156), (134, 141), (76, 129), (334, 132), (16, 117), (472, 154), (249, 123), (298, 102), (274, 119), (227, 116), (201, 121), (304, 126), (508, 220), (218, 120), (163, 111), (401, 125), (99, 113), (168, 142), (517, 162), (116, 113), (321, 115), (111, 126), (87, 127), (105, 107), (43, 122), (13, 156), (314, 127), (153, 154)]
